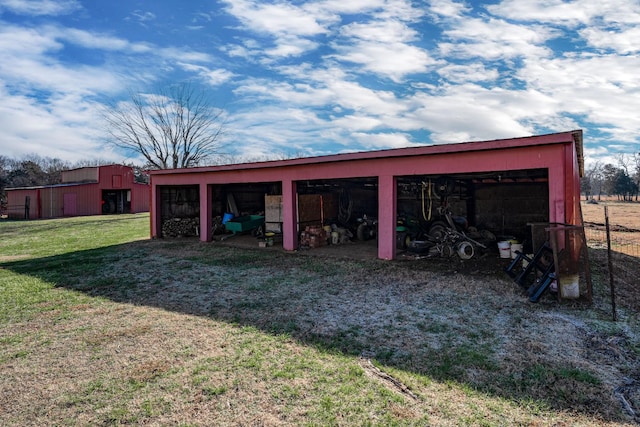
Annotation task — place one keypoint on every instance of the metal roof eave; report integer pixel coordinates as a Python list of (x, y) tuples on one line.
[(574, 136)]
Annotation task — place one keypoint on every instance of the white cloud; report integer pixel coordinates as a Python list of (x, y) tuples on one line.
[(266, 131), (17, 41), (322, 89), (93, 40), (475, 72), (182, 54), (383, 48), (379, 141), (355, 123), (603, 89), (380, 31), (47, 101), (623, 41), (290, 26), (212, 77), (218, 77), (141, 17), (350, 7), (568, 13), (353, 96), (27, 59), (291, 46), (41, 7), (394, 61), (470, 112), (314, 75), (447, 9), (494, 39), (275, 19), (59, 130), (264, 91)]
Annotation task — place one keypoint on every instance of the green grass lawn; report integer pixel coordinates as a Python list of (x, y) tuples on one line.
[(101, 326)]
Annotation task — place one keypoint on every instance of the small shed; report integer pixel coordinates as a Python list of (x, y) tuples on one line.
[(110, 189), (503, 185)]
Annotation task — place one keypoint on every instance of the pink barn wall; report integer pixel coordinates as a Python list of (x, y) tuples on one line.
[(556, 153)]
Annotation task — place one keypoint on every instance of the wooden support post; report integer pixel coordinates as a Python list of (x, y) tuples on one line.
[(289, 215), (206, 221), (387, 202)]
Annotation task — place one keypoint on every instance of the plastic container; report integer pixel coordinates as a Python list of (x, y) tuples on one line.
[(570, 286), (335, 238), (227, 217), (268, 238), (515, 247), (504, 247)]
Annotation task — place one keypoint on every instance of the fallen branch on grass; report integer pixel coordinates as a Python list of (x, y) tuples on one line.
[(387, 379)]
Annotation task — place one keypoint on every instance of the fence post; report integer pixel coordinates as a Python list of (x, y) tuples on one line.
[(610, 262), (27, 206)]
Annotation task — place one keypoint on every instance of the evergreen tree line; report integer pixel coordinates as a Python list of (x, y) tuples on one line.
[(606, 179), (35, 170)]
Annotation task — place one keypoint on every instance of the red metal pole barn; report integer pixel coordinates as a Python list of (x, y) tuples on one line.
[(560, 154)]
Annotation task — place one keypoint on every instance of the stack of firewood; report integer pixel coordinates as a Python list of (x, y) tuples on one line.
[(180, 227)]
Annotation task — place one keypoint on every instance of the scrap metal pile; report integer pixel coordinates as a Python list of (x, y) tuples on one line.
[(447, 238)]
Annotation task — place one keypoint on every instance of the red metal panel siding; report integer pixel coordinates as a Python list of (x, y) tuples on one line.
[(526, 157), (51, 202), (16, 203), (69, 204), (122, 178), (541, 152), (414, 152), (140, 198), (116, 177), (89, 197)]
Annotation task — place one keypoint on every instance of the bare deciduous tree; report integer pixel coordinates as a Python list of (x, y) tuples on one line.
[(176, 128), (594, 176)]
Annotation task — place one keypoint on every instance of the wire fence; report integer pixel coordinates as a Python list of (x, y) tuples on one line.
[(621, 242)]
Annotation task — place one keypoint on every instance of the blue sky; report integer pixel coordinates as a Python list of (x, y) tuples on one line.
[(325, 76)]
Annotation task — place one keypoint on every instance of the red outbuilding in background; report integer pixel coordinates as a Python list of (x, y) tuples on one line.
[(96, 190)]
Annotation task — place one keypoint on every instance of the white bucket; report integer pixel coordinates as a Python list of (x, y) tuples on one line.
[(570, 286), (335, 238), (515, 247), (504, 248)]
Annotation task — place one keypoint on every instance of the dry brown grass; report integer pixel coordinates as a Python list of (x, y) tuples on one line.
[(624, 222), (185, 333), (624, 225), (622, 214)]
